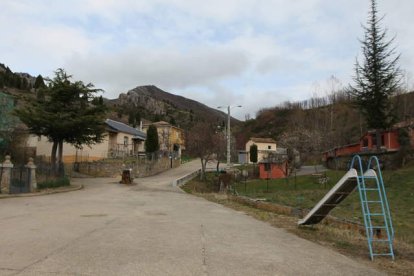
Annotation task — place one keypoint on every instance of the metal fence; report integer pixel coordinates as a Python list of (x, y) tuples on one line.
[(45, 171), (20, 180)]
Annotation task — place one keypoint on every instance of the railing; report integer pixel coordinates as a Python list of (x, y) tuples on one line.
[(184, 179)]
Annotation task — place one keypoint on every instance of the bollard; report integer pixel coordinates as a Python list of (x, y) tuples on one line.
[(32, 170), (6, 176)]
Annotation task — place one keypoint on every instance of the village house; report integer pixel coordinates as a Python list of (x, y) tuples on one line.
[(120, 140), (275, 165), (170, 138), (368, 142), (265, 147)]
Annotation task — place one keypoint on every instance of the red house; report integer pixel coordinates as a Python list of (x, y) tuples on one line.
[(274, 167), (368, 142)]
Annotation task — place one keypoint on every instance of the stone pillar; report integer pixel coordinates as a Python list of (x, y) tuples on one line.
[(32, 167), (6, 176)]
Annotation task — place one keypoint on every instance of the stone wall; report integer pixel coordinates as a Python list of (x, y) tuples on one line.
[(113, 168)]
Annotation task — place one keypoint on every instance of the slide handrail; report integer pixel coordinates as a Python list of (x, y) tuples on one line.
[(359, 160), (382, 188)]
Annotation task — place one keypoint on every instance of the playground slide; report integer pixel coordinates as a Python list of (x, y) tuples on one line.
[(339, 192)]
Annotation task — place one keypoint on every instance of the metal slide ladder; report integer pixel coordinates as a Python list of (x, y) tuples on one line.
[(375, 208)]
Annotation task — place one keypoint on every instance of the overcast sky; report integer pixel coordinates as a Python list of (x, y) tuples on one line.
[(234, 52)]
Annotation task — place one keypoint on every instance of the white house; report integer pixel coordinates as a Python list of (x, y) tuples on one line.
[(265, 146), (120, 140)]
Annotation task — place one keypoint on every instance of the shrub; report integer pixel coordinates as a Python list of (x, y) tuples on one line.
[(54, 183)]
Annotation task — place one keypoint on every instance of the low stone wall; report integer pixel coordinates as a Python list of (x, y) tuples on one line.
[(184, 179), (113, 168)]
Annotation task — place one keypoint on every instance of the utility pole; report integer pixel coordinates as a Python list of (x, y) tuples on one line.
[(228, 139), (229, 107)]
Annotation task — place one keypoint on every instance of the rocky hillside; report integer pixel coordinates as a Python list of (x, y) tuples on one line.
[(141, 103), (152, 103)]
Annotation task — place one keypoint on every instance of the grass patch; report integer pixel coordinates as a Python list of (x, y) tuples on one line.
[(54, 183), (185, 159), (306, 191)]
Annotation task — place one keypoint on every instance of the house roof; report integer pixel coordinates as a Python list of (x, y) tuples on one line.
[(276, 159), (121, 127), (160, 124), (262, 140)]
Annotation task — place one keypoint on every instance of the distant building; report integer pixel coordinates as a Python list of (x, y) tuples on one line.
[(121, 140), (265, 147), (276, 165), (368, 143), (243, 156), (170, 138)]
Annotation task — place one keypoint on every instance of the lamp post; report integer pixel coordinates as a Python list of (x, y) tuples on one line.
[(229, 107)]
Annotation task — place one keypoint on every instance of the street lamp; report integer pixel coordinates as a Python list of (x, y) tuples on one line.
[(228, 133)]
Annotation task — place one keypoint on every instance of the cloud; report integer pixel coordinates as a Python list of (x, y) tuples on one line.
[(164, 67), (252, 52)]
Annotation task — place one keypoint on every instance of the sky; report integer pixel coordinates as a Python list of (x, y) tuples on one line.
[(254, 53)]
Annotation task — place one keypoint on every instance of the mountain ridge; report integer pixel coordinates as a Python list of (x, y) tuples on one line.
[(155, 104)]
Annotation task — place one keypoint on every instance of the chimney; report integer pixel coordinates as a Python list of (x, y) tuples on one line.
[(140, 125)]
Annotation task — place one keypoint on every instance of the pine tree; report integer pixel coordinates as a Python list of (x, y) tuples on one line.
[(378, 77), (151, 143), (65, 111), (39, 82), (253, 153)]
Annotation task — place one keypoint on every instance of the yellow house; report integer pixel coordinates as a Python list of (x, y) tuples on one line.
[(120, 140), (264, 147), (170, 138)]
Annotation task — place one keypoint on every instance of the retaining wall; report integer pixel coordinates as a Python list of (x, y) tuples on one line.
[(113, 168)]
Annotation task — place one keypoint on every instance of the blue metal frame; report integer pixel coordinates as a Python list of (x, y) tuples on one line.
[(365, 205)]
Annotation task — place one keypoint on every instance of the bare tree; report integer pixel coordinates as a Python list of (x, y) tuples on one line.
[(203, 142)]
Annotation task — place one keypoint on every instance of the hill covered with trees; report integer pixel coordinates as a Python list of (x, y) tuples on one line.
[(317, 124)]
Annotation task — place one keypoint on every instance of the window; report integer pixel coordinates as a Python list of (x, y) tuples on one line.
[(269, 147), (125, 141), (267, 167)]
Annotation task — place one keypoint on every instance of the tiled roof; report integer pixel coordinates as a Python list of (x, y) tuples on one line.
[(121, 127), (263, 140)]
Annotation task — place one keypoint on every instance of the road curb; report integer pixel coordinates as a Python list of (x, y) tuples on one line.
[(45, 192)]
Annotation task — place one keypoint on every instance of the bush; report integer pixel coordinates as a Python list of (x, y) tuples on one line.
[(55, 183)]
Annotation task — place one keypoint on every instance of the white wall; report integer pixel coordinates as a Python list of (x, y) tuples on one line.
[(44, 148), (262, 149)]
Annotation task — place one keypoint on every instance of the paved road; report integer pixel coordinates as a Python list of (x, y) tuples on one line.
[(150, 229)]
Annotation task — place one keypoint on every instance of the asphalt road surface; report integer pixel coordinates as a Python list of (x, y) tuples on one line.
[(151, 228)]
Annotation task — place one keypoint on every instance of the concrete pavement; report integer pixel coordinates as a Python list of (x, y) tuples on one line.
[(151, 228)]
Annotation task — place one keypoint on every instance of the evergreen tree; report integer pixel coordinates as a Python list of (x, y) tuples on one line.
[(253, 153), (151, 143), (39, 83), (65, 112), (131, 119), (378, 77)]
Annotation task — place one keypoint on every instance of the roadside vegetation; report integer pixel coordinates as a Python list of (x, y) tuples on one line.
[(303, 192), (54, 183)]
